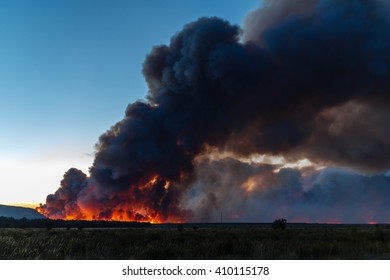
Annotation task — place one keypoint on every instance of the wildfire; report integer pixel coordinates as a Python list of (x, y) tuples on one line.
[(143, 203)]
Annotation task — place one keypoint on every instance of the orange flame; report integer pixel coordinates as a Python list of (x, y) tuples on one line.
[(134, 206)]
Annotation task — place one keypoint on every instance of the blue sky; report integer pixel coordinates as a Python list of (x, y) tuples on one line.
[(68, 69)]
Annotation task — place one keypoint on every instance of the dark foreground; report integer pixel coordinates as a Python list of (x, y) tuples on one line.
[(197, 243)]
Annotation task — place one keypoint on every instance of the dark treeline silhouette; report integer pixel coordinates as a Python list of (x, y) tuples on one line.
[(7, 222)]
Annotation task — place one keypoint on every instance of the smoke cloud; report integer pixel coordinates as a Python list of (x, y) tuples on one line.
[(261, 192), (302, 80)]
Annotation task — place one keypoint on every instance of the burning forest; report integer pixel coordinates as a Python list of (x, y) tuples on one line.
[(285, 116)]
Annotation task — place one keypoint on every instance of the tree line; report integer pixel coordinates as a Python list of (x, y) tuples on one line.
[(8, 222)]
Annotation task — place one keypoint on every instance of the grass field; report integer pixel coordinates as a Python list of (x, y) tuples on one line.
[(202, 243)]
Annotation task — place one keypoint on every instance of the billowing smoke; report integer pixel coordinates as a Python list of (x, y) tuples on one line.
[(63, 203), (261, 192), (303, 80)]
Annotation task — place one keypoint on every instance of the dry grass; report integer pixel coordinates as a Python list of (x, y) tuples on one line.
[(206, 243)]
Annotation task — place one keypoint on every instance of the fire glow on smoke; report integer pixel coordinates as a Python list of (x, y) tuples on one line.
[(284, 117)]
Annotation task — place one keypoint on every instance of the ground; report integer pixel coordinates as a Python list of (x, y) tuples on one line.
[(197, 243)]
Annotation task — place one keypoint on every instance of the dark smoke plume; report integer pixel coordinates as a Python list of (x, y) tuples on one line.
[(262, 192), (303, 79)]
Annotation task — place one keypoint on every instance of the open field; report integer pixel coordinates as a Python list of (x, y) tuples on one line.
[(197, 243)]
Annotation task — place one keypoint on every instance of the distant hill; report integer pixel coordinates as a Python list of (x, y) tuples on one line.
[(19, 212)]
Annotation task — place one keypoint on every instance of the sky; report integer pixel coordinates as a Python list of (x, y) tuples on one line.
[(68, 69)]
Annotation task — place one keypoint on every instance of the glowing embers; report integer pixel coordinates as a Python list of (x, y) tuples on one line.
[(146, 202), (128, 213)]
